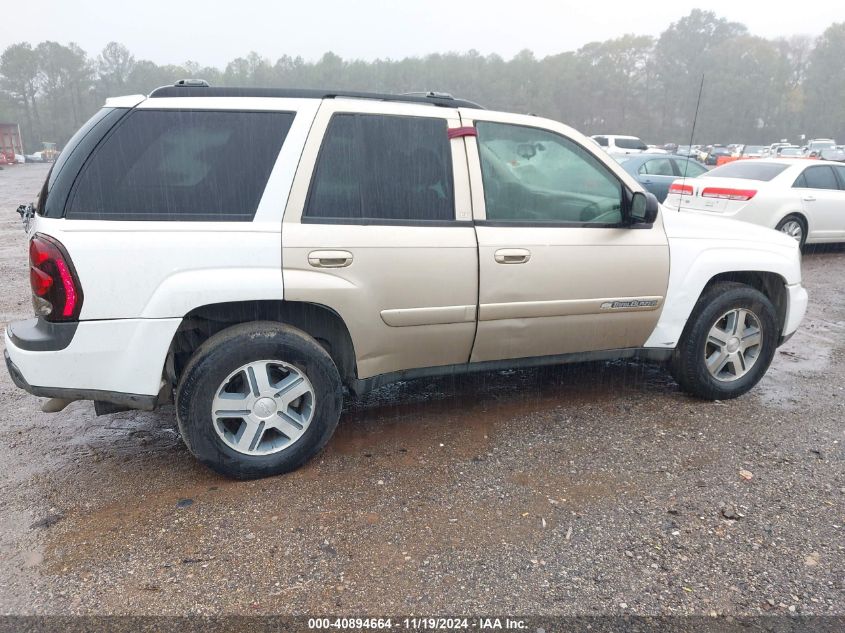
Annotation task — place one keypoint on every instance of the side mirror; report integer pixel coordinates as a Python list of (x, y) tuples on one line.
[(644, 207)]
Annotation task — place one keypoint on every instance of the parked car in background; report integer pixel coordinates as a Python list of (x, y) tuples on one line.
[(619, 144), (368, 239), (752, 151), (819, 144), (835, 154), (656, 172), (804, 199), (789, 151), (771, 150), (714, 153), (688, 151)]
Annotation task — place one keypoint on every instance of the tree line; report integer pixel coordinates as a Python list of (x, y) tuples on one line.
[(756, 90)]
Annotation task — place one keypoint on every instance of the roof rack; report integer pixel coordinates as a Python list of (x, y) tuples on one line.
[(201, 88)]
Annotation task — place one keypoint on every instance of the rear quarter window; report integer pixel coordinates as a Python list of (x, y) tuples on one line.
[(188, 165)]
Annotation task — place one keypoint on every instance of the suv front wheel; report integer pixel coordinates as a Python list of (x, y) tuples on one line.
[(728, 343), (258, 399)]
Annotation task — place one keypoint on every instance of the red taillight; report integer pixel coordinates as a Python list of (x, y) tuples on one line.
[(57, 294), (40, 281), (684, 190), (728, 194)]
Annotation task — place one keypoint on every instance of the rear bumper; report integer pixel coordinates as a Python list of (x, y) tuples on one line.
[(131, 400), (119, 361)]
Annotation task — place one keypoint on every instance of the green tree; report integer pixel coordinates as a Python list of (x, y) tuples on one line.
[(825, 85), (19, 75), (114, 67)]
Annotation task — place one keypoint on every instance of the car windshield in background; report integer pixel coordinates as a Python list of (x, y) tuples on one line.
[(750, 170), (752, 149), (631, 143), (791, 152)]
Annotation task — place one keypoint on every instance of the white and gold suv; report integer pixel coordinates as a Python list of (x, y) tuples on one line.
[(247, 253)]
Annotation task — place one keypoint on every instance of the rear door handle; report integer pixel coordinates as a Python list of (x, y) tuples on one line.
[(512, 255), (330, 259), (809, 198)]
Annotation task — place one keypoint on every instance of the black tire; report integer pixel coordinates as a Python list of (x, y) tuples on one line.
[(797, 218), (688, 365), (224, 353)]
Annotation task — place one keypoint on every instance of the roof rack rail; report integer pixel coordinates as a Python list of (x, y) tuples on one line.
[(201, 88), (198, 83)]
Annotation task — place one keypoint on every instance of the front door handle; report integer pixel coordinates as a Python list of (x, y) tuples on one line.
[(809, 198), (512, 255), (329, 259)]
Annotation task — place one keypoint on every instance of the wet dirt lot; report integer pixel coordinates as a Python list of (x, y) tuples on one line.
[(589, 489)]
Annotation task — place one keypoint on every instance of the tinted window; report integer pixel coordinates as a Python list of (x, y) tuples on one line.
[(630, 143), (532, 175), (181, 165), (601, 140), (751, 170), (820, 178), (690, 168), (377, 167), (840, 171), (81, 133), (657, 167)]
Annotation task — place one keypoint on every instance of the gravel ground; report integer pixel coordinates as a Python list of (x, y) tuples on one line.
[(591, 489)]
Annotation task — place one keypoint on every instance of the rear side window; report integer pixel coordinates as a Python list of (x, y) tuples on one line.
[(383, 168), (657, 167), (746, 169), (689, 168), (189, 165), (840, 171), (818, 178), (601, 140)]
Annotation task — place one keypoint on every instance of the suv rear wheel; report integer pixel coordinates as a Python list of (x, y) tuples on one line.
[(258, 399), (728, 343)]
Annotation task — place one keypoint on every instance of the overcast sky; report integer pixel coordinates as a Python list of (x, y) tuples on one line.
[(213, 32)]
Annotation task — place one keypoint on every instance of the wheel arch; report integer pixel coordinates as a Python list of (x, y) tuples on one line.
[(800, 215), (318, 321), (772, 285), (767, 269)]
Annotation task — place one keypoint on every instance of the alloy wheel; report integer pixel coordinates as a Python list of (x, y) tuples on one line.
[(263, 407), (733, 345)]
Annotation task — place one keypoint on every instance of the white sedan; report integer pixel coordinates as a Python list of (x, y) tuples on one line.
[(802, 198)]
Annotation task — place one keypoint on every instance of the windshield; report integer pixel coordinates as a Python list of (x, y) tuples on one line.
[(631, 143), (750, 170), (752, 149)]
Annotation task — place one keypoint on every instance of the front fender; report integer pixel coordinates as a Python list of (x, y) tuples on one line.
[(694, 263)]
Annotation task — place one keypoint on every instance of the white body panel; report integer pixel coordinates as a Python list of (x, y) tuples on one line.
[(702, 248), (120, 355)]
